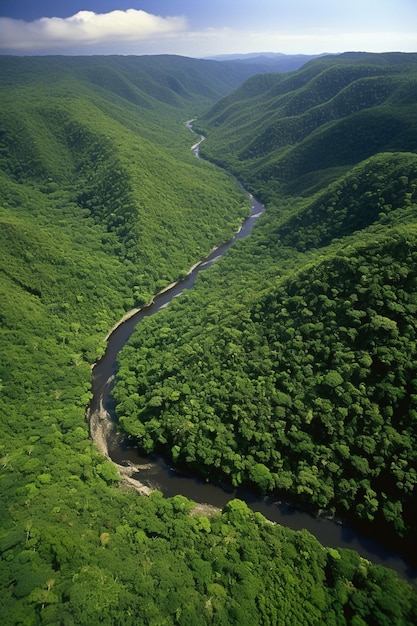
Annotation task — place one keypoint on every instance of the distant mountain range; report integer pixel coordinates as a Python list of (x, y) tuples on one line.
[(269, 61)]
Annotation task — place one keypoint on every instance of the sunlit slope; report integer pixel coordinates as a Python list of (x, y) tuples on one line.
[(144, 80), (122, 159), (330, 114), (102, 203)]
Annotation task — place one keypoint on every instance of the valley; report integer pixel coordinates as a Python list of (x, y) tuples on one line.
[(289, 367)]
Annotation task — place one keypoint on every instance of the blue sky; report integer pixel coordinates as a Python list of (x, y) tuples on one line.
[(209, 27)]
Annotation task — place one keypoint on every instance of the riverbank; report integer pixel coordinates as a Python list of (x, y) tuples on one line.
[(101, 426), (163, 477)]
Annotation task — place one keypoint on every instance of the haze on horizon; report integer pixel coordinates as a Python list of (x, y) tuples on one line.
[(188, 28)]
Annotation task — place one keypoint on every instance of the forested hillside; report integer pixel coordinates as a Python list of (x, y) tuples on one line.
[(103, 204), (289, 132), (299, 372)]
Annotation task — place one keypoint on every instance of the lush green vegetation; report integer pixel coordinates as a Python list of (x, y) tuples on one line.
[(296, 379), (291, 132), (148, 561), (299, 371), (102, 204), (94, 147)]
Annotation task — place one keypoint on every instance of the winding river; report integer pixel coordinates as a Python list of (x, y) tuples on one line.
[(153, 472)]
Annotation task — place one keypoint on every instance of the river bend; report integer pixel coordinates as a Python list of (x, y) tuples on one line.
[(153, 472)]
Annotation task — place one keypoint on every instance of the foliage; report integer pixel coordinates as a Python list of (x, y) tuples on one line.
[(280, 130), (102, 204), (242, 570)]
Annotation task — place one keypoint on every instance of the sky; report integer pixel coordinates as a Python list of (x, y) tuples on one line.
[(200, 28)]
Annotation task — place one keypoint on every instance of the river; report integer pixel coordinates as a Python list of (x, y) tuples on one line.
[(153, 472)]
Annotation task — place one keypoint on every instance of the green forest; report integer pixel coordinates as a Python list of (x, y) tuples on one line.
[(290, 366)]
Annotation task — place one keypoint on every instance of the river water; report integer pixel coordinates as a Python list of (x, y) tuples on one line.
[(158, 474)]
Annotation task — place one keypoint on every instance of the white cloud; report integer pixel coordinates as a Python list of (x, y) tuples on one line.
[(86, 28), (138, 32)]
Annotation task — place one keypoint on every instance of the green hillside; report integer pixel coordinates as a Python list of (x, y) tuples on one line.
[(102, 204), (280, 130), (63, 134)]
